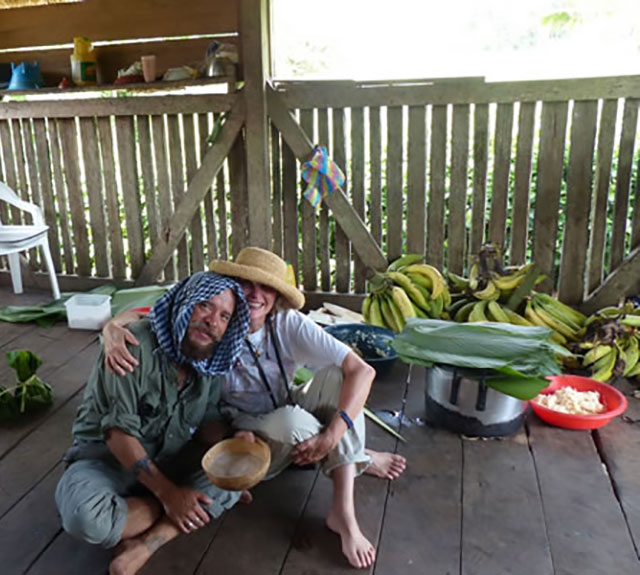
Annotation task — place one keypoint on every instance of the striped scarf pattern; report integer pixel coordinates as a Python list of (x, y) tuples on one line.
[(171, 314)]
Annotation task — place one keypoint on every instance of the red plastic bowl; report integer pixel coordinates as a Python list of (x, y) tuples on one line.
[(615, 403)]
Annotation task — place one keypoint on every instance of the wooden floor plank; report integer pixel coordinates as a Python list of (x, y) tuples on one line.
[(67, 556), (587, 531), (9, 332), (422, 524), (65, 380), (36, 455), (316, 549), (256, 538), (29, 527), (618, 443), (503, 520)]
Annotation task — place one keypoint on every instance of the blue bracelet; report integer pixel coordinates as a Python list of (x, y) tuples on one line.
[(346, 418)]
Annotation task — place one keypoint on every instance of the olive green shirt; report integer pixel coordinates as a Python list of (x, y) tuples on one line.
[(146, 403)]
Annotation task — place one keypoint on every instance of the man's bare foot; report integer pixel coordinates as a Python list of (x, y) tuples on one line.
[(130, 556), (245, 496), (385, 465), (355, 546)]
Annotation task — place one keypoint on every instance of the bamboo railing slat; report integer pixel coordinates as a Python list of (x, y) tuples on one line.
[(395, 194), (357, 188), (221, 196), (438, 166), (416, 181), (522, 184), (290, 207), (324, 228), (606, 135), (10, 167), (550, 166), (623, 181), (576, 230), (342, 247), (309, 278), (209, 209), (69, 141), (46, 188), (34, 184), (501, 168), (480, 167), (239, 191), (165, 205), (112, 201), (176, 171), (191, 161), (131, 199), (276, 190), (23, 185), (635, 221), (148, 179), (375, 153), (92, 172), (61, 195), (458, 192)]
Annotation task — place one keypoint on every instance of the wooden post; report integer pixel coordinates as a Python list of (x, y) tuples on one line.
[(255, 51)]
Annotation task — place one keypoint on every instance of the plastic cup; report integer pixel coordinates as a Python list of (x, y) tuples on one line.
[(148, 68)]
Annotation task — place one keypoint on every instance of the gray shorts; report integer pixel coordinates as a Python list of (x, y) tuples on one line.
[(91, 494)]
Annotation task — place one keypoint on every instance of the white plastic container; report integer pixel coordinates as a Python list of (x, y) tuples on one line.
[(88, 311)]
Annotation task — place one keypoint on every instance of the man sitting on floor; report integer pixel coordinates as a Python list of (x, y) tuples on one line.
[(134, 476)]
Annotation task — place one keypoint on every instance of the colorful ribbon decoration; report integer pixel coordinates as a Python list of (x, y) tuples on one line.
[(322, 175)]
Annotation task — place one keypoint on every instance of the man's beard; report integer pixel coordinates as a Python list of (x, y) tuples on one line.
[(196, 351)]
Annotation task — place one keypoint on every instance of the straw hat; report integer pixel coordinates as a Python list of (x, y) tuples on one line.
[(264, 267)]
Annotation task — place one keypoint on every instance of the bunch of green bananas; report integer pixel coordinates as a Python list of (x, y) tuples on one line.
[(406, 289), (611, 346), (483, 296), (566, 323)]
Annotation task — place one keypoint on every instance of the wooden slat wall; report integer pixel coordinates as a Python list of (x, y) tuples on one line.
[(417, 169), (108, 186)]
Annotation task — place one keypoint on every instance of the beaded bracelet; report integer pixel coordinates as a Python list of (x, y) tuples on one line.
[(346, 418)]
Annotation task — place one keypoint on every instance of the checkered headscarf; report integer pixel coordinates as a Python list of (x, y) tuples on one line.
[(171, 314)]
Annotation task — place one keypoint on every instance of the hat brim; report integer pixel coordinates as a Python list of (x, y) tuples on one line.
[(291, 293)]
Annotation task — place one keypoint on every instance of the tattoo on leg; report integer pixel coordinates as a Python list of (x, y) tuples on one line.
[(154, 543), (143, 464)]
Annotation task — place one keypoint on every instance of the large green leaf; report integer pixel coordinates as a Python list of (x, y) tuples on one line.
[(26, 363)]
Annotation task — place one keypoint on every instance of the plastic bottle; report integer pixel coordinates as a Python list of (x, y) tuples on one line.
[(83, 62)]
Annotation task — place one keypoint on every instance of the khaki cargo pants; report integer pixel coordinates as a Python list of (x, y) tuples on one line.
[(315, 405)]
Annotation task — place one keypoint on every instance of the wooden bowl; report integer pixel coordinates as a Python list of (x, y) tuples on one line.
[(235, 464)]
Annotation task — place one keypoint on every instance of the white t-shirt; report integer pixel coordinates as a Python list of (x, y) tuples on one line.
[(301, 342)]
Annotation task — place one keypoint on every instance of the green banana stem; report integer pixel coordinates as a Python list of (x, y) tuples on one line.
[(373, 417)]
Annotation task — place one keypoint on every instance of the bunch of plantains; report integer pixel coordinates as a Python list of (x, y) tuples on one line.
[(493, 293), (408, 288), (611, 345)]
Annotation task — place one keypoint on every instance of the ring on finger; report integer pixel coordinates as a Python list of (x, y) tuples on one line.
[(190, 525)]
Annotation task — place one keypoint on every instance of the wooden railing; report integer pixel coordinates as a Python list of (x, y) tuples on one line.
[(547, 170)]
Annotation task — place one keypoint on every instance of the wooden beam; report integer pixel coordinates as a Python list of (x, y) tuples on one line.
[(115, 20), (622, 282), (198, 186), (151, 105), (364, 244), (255, 38)]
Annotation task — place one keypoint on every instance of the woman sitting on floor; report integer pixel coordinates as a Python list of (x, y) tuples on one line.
[(320, 421)]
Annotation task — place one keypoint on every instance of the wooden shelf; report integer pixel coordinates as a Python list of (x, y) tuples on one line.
[(158, 86)]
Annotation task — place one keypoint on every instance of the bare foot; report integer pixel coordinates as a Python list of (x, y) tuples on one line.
[(130, 556), (245, 496), (385, 465), (355, 546)]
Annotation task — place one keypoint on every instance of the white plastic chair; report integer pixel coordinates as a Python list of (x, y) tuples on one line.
[(14, 239)]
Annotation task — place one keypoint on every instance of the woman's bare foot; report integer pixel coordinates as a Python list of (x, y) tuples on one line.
[(130, 556), (385, 465), (355, 546)]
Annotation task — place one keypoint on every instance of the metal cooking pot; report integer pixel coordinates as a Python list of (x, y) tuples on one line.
[(458, 399)]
